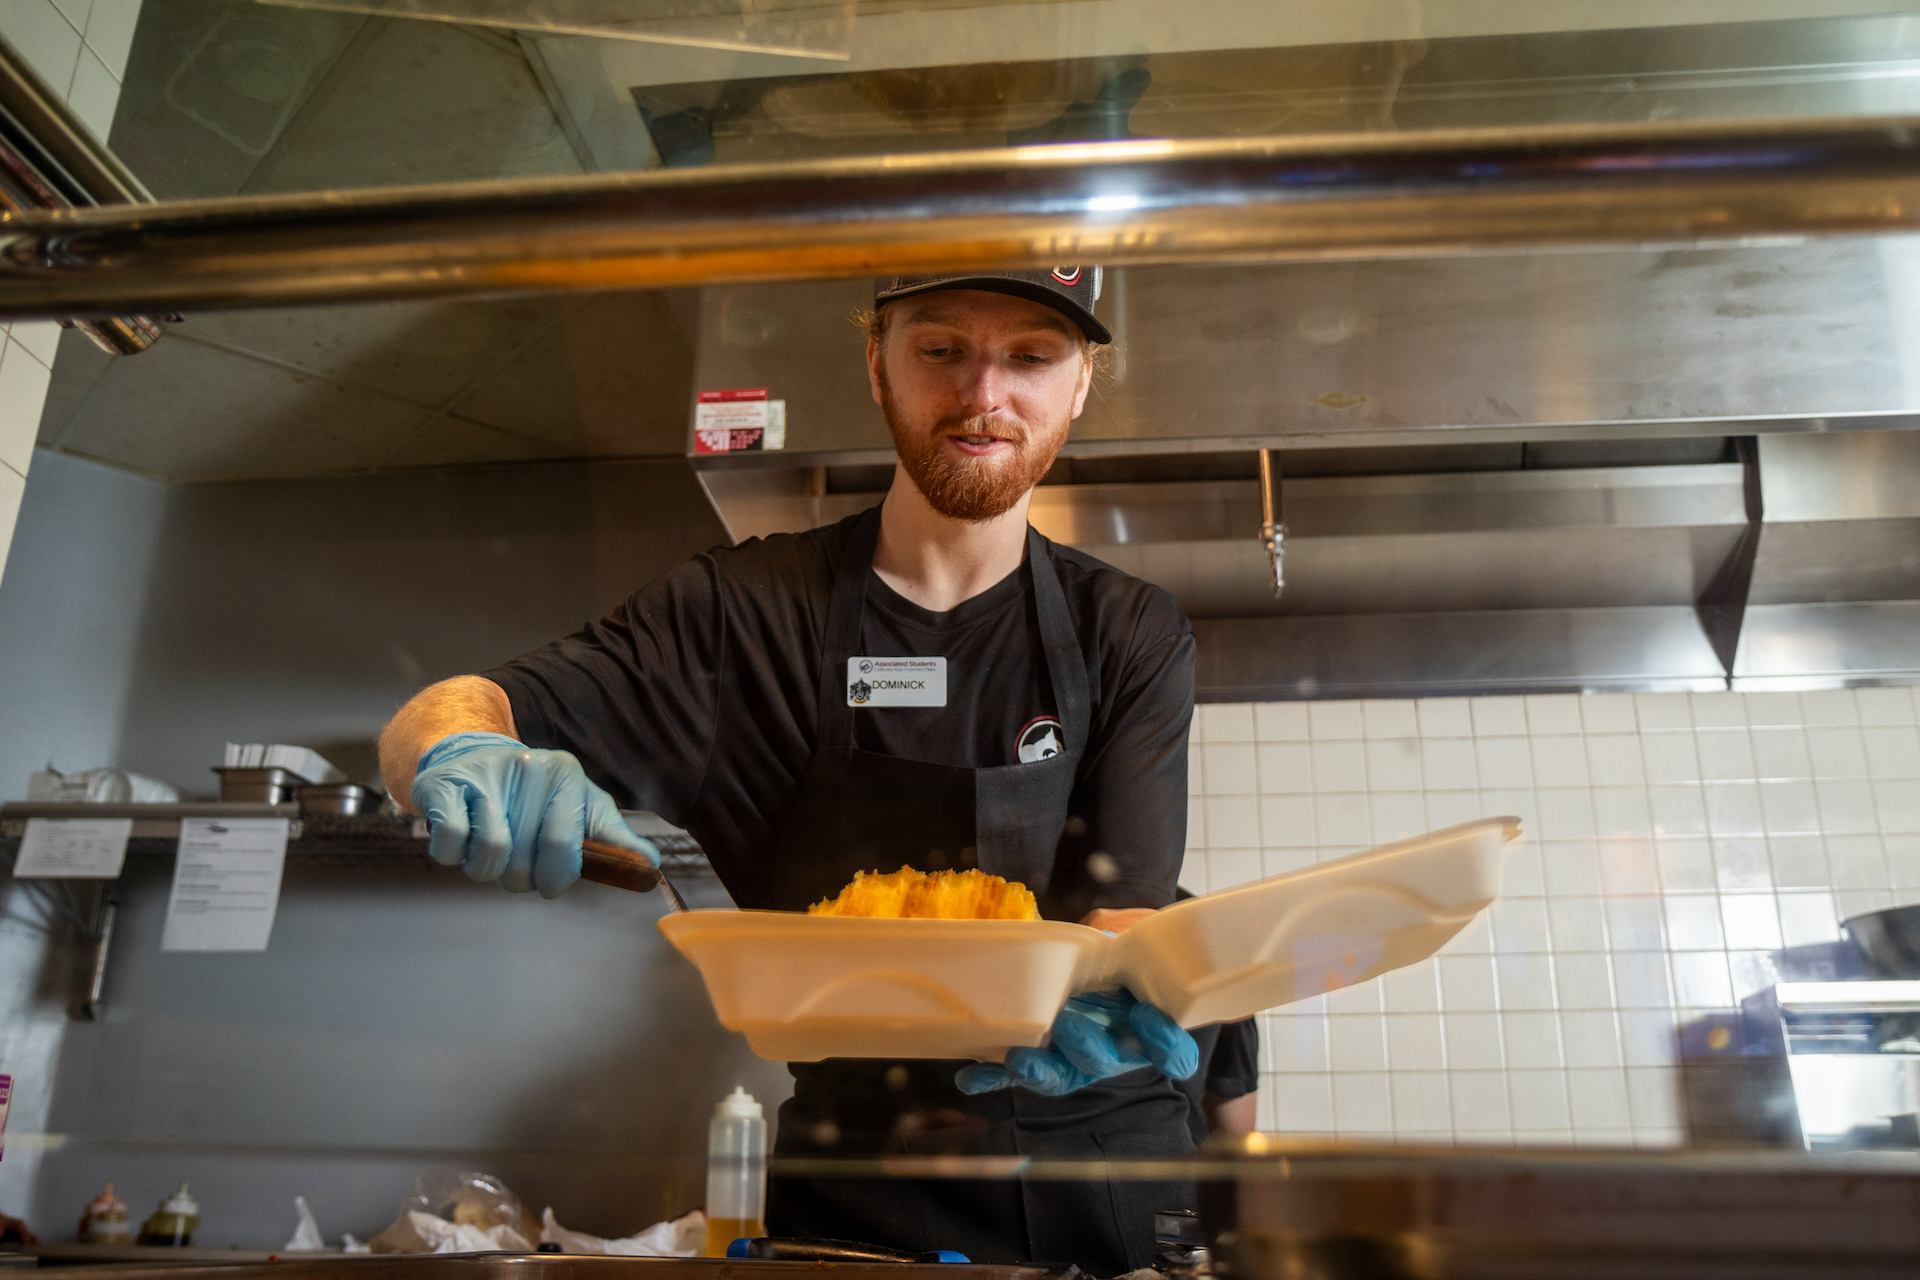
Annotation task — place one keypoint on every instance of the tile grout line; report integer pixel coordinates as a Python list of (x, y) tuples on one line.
[(1643, 1073)]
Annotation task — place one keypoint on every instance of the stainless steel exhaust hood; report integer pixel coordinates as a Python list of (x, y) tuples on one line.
[(1651, 470), (1435, 543), (1836, 579), (1634, 344)]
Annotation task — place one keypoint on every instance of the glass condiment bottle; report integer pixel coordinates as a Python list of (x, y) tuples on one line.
[(736, 1172), (174, 1222), (104, 1221)]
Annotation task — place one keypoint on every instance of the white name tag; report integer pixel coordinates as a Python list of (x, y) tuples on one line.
[(896, 682)]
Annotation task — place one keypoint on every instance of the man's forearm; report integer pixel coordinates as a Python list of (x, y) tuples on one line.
[(463, 704), (1232, 1115)]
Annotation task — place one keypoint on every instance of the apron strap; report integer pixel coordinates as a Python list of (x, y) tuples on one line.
[(845, 609), (1066, 668)]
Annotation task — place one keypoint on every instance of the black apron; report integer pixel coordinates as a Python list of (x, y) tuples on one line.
[(861, 811)]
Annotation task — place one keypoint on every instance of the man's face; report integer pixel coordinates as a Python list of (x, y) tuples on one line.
[(979, 389)]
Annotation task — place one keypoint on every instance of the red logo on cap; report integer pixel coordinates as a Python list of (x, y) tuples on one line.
[(1067, 275)]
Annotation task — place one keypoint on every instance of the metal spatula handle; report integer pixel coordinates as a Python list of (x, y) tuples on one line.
[(609, 864)]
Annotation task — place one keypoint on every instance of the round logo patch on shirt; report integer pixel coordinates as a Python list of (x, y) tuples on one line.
[(1041, 740)]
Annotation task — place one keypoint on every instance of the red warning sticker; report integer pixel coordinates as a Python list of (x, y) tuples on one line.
[(742, 418), (730, 421)]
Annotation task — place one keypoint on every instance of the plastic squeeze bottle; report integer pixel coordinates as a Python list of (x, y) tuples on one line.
[(736, 1172), (174, 1222)]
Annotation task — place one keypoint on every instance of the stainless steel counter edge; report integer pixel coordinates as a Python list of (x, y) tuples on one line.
[(150, 821), (532, 1266)]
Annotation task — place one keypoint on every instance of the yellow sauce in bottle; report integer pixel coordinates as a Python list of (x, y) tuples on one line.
[(722, 1232)]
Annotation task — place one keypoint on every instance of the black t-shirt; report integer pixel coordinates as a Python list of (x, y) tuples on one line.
[(696, 699), (1229, 1068)]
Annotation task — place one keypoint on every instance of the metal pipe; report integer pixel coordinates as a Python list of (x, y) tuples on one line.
[(49, 160), (94, 1007), (87, 173), (1273, 534), (1272, 199)]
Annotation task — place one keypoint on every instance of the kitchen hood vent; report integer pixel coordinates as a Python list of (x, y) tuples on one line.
[(1790, 562), (1621, 470)]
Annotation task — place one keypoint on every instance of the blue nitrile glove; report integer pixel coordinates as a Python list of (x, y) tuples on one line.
[(511, 813), (1097, 1035)]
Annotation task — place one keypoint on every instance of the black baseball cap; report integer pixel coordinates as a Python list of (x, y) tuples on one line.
[(1071, 291)]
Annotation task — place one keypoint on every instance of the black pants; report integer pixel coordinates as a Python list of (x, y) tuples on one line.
[(865, 1109)]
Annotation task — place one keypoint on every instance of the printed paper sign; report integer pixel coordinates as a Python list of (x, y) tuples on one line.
[(81, 848), (896, 682), (732, 421), (226, 884), (6, 1097)]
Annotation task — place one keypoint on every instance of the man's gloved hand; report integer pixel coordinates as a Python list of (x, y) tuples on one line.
[(510, 813), (1099, 1034)]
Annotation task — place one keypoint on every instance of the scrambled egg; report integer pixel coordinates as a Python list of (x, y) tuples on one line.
[(943, 895)]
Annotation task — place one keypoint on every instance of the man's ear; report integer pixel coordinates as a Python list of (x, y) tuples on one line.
[(873, 370), (1086, 381)]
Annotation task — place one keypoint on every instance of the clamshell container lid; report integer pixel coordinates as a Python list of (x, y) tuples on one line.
[(802, 988)]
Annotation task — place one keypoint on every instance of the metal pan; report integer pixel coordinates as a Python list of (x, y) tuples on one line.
[(1889, 941)]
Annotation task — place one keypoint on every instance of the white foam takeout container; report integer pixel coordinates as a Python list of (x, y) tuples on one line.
[(805, 987)]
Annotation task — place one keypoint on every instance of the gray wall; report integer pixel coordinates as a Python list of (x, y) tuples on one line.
[(401, 1017), (307, 610), (70, 614), (70, 610)]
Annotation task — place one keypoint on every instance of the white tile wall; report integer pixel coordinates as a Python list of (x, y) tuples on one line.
[(80, 48), (1674, 841), (69, 40)]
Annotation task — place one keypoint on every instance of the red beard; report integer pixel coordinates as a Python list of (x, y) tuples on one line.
[(971, 489)]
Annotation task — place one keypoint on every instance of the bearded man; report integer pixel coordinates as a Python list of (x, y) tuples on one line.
[(753, 696)]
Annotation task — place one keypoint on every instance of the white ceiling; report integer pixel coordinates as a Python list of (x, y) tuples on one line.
[(343, 100)]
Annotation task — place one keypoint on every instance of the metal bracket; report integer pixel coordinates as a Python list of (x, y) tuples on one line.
[(1722, 607)]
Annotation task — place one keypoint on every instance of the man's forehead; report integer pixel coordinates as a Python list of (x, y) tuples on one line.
[(964, 308)]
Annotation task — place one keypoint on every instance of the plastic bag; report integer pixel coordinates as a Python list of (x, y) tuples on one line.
[(99, 786), (471, 1200), (682, 1238), (459, 1211), (306, 1236), (442, 1236)]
